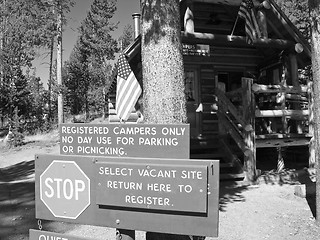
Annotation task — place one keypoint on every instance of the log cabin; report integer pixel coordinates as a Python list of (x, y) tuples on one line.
[(247, 102)]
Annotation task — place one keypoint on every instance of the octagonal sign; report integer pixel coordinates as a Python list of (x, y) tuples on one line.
[(65, 189)]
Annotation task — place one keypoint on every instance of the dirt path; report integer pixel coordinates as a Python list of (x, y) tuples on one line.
[(264, 211)]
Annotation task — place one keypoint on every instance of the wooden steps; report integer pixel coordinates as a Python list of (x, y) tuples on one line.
[(210, 147)]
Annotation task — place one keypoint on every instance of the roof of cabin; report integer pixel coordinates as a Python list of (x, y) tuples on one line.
[(220, 17)]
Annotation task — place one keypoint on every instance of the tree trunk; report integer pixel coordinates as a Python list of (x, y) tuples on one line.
[(164, 99), (3, 29), (59, 65), (50, 80), (162, 62), (314, 6)]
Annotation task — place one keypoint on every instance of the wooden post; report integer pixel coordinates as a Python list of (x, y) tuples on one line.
[(220, 86), (312, 150), (262, 18), (188, 18), (283, 83), (262, 22), (295, 82), (249, 118), (294, 69)]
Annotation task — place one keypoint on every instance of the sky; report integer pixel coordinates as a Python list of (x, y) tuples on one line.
[(123, 15)]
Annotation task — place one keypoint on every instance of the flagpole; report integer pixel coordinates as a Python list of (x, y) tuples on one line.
[(234, 25)]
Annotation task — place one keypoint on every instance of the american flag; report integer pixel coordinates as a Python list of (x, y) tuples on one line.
[(128, 89), (246, 12)]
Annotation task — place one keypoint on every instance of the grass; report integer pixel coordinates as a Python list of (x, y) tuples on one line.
[(49, 138), (43, 137)]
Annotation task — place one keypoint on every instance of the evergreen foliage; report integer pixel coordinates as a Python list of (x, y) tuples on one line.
[(88, 77), (24, 27), (298, 13), (127, 37), (15, 136)]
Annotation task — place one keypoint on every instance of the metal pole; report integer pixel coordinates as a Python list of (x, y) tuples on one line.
[(136, 22), (234, 25)]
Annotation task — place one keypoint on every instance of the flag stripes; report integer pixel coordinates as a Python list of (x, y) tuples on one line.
[(246, 11), (128, 89)]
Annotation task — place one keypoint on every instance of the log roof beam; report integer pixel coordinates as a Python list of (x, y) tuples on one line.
[(219, 39)]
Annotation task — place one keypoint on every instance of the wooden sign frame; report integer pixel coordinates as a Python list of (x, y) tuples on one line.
[(192, 222)]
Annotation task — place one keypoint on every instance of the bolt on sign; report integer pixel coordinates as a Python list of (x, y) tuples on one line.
[(44, 235), (177, 196), (125, 140)]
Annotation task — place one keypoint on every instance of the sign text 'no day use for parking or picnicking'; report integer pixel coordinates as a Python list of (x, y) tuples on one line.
[(125, 140)]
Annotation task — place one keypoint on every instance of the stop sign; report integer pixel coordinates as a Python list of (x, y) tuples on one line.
[(65, 189)]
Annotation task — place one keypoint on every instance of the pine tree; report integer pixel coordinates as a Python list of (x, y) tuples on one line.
[(24, 26), (96, 31), (77, 79), (89, 65), (127, 37)]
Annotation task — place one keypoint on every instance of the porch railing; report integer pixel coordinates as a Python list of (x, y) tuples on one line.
[(230, 119), (257, 112), (281, 109), (277, 110)]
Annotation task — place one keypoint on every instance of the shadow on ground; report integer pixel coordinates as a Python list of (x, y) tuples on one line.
[(310, 188), (16, 172), (17, 203), (230, 192)]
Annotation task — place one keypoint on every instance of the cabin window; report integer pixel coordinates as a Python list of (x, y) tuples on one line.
[(231, 80)]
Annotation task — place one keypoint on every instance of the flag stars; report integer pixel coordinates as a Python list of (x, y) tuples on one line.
[(249, 4), (124, 67)]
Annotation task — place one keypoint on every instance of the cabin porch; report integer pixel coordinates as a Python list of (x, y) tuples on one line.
[(255, 126)]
